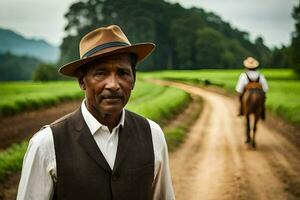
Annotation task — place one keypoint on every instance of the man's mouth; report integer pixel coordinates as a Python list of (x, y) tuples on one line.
[(112, 97)]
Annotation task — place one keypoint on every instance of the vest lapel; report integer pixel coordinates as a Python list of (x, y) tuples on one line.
[(86, 140), (124, 138)]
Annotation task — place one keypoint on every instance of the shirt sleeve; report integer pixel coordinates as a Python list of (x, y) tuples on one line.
[(264, 83), (162, 184), (241, 83), (36, 181)]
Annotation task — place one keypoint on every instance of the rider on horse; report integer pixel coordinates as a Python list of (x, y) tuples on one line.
[(251, 77)]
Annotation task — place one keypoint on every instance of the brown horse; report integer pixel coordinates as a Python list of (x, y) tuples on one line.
[(253, 102)]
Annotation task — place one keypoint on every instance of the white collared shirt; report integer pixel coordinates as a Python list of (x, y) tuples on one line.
[(253, 75), (39, 165), (106, 141)]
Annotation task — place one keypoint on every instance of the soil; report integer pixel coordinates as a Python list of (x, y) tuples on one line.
[(214, 162), (16, 128)]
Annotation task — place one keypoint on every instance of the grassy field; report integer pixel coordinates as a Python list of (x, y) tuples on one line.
[(11, 159), (159, 103), (19, 96), (150, 100), (153, 101), (282, 98)]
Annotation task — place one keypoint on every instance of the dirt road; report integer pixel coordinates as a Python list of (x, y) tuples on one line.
[(214, 163)]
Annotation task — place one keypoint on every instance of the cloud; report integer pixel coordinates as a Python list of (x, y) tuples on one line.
[(35, 18), (268, 18)]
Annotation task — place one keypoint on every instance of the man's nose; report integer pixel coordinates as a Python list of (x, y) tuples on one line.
[(112, 82)]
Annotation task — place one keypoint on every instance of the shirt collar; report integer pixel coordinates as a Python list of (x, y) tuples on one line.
[(92, 123)]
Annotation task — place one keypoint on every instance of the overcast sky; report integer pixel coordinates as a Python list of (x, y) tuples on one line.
[(270, 19)]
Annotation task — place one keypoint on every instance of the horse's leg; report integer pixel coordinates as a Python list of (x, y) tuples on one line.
[(247, 129), (254, 131)]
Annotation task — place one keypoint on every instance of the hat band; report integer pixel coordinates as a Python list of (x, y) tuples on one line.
[(104, 46)]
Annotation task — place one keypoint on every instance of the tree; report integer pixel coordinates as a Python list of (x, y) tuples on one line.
[(183, 36), (280, 57), (263, 52), (210, 48), (14, 68), (46, 72), (295, 47)]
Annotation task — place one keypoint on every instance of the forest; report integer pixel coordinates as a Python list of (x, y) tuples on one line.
[(186, 39)]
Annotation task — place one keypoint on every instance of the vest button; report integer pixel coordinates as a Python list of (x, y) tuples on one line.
[(115, 177)]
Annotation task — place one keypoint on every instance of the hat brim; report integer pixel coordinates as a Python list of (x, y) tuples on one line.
[(141, 50), (251, 66)]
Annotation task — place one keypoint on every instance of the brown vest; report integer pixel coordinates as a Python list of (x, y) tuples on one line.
[(84, 174)]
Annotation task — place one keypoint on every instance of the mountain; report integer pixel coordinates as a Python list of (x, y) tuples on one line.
[(17, 44)]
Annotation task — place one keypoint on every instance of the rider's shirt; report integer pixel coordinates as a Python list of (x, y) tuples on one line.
[(253, 75)]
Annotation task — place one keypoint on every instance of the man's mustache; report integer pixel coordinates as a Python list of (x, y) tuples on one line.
[(113, 95)]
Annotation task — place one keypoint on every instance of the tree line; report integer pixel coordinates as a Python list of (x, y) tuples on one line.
[(185, 38), (294, 49), (15, 68)]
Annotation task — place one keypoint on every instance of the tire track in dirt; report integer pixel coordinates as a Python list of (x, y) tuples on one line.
[(214, 163)]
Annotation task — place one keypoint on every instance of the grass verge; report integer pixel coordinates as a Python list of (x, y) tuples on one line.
[(176, 130)]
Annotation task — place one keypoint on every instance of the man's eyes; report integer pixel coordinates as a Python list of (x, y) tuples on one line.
[(123, 72), (120, 72), (100, 73)]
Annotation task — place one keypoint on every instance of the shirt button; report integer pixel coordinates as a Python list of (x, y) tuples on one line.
[(115, 177)]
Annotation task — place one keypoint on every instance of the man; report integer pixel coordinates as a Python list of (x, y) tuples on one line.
[(100, 151), (250, 75)]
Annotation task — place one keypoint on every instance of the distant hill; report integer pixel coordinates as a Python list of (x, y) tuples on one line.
[(17, 44)]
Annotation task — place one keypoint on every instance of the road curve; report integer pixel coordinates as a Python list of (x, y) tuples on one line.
[(214, 163)]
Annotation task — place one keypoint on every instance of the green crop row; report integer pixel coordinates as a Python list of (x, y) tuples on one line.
[(19, 96), (282, 98), (162, 106), (144, 91), (150, 100), (11, 159)]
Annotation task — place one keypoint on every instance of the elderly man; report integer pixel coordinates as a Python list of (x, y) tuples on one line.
[(100, 151), (250, 75)]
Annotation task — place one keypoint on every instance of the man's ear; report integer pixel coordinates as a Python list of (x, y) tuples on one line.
[(81, 83)]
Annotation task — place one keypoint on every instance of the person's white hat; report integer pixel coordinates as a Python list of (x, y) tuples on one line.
[(251, 63)]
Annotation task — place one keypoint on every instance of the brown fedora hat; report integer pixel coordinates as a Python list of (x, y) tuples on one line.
[(103, 42), (251, 63)]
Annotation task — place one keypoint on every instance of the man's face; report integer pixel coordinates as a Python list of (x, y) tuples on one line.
[(108, 84)]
